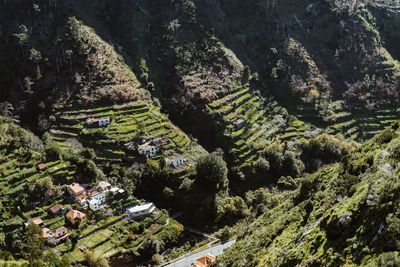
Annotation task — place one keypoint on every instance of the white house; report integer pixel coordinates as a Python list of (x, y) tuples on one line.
[(97, 201), (98, 122), (176, 161), (104, 121), (140, 210), (239, 124), (148, 150)]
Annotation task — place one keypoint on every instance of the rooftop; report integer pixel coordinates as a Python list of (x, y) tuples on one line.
[(76, 188), (177, 157), (56, 208), (103, 185), (37, 221), (140, 207), (41, 166), (75, 214)]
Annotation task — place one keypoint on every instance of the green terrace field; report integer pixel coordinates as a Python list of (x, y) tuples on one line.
[(116, 234), (264, 123), (129, 121), (358, 125), (17, 175), (19, 170)]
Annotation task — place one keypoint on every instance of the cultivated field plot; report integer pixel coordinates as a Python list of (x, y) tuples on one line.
[(355, 125), (362, 126), (250, 123), (19, 170), (111, 236), (129, 121)]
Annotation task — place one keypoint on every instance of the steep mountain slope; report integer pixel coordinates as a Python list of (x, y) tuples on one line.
[(202, 83), (333, 63), (137, 117), (260, 95), (50, 60), (344, 214)]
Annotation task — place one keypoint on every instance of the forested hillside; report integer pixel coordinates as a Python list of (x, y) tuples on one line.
[(344, 214), (269, 122)]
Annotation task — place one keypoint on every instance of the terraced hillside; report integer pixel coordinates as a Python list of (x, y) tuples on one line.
[(249, 124), (131, 121), (356, 125), (110, 237), (31, 183)]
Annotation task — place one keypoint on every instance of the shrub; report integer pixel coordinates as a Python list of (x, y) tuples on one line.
[(389, 259), (259, 197), (395, 150), (53, 152), (231, 209), (386, 136), (212, 170)]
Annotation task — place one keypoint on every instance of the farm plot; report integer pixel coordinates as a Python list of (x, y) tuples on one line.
[(249, 123), (361, 126), (129, 121)]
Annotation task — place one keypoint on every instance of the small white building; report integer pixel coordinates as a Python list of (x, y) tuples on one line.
[(176, 161), (148, 150), (239, 124), (98, 122), (140, 210), (104, 121), (97, 201)]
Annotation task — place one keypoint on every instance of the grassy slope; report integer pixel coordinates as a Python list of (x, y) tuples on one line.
[(344, 214)]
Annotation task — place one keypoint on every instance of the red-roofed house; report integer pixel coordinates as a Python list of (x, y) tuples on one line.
[(205, 261), (75, 189), (56, 209), (76, 217), (37, 221)]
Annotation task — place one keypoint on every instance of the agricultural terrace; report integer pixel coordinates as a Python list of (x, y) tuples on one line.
[(262, 123), (129, 122), (105, 233), (18, 175), (357, 125), (116, 234)]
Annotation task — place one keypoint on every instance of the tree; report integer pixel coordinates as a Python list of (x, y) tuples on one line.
[(212, 169), (52, 259), (34, 244), (94, 260), (22, 36), (231, 209), (35, 56), (43, 187)]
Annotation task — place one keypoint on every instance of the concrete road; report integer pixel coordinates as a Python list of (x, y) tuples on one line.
[(188, 260)]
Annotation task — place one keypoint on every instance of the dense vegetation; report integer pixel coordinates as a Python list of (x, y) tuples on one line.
[(270, 104), (346, 213)]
